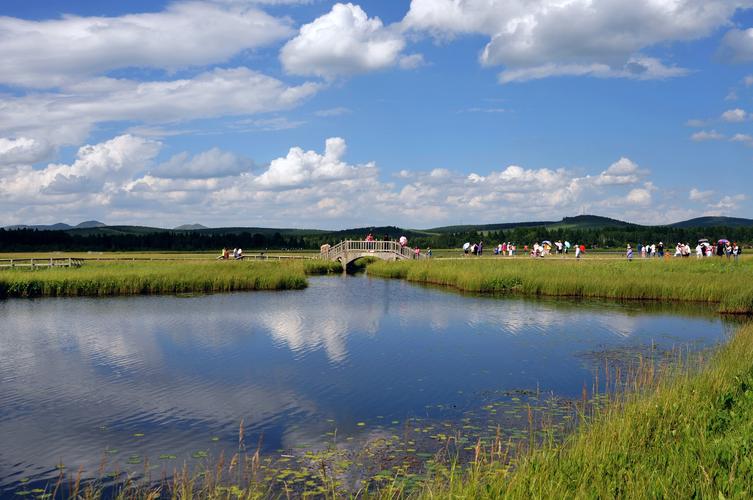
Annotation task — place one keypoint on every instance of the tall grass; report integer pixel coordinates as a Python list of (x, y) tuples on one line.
[(134, 278), (713, 281)]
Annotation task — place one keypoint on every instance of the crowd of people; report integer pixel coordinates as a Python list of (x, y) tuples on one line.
[(704, 248), (226, 255)]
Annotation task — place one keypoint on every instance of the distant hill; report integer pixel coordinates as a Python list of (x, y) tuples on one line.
[(190, 227), (713, 221), (60, 226), (577, 222), (90, 224)]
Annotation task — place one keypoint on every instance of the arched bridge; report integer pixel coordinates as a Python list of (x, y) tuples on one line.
[(347, 251)]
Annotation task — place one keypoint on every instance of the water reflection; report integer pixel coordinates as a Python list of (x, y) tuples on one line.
[(80, 376)]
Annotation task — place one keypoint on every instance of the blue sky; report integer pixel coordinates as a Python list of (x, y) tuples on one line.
[(417, 113)]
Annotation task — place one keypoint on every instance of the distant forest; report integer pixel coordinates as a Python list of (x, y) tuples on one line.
[(21, 240)]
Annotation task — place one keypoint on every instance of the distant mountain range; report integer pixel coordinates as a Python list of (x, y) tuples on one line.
[(60, 226), (576, 222)]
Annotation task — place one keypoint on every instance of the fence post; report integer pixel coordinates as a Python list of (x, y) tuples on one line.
[(32, 263), (70, 262), (11, 264)]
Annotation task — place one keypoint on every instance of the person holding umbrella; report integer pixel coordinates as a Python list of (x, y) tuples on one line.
[(720, 247)]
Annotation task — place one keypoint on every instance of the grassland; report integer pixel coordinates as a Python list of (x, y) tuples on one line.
[(144, 277), (727, 284)]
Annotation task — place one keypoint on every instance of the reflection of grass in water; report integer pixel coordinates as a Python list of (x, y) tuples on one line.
[(710, 281)]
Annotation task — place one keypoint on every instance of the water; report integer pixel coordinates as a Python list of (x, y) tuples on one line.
[(139, 377)]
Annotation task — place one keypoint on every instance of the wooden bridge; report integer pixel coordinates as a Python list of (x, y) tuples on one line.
[(37, 263), (348, 251)]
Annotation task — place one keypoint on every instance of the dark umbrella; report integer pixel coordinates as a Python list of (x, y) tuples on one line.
[(723, 241)]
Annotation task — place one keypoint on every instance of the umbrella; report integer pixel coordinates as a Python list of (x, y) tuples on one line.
[(723, 241), (466, 246), (403, 240), (546, 242), (567, 244), (703, 240)]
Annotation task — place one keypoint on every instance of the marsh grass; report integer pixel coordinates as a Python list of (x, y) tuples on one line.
[(144, 278), (713, 281)]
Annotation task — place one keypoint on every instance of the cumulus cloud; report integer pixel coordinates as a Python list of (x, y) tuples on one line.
[(52, 53), (728, 204), (707, 135), (737, 46), (97, 168), (698, 195), (342, 42), (301, 167), (734, 115), (537, 39), (743, 138), (318, 188), (623, 171), (66, 118), (639, 196), (22, 150), (211, 163)]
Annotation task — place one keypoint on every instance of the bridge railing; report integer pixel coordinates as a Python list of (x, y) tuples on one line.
[(393, 247), (34, 263)]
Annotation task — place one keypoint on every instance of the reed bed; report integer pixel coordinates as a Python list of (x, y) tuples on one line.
[(146, 278), (726, 283)]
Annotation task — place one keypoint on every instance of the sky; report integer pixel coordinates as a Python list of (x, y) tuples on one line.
[(417, 113)]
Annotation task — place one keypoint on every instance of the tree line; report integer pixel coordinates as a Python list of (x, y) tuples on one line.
[(33, 240)]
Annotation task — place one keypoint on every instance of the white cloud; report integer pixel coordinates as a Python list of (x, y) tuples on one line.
[(119, 180), (342, 42), (412, 61), (637, 68), (639, 196), (743, 138), (737, 46), (698, 195), (707, 135), (748, 80), (734, 115), (66, 118), (695, 123), (22, 150), (301, 167), (338, 111), (97, 168), (728, 204), (623, 171), (211, 163), (538, 38), (52, 53)]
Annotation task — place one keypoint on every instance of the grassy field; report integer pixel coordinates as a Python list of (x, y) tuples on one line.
[(714, 281), (144, 277)]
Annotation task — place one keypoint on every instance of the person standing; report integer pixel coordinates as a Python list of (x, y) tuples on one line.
[(629, 253)]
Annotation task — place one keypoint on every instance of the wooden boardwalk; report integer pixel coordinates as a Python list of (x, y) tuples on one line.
[(32, 263)]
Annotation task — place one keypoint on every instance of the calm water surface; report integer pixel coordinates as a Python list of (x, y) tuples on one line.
[(144, 376)]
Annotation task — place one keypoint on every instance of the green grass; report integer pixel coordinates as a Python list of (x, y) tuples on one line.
[(134, 278), (712, 281)]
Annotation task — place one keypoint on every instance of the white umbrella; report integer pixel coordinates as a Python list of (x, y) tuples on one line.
[(466, 246), (403, 241)]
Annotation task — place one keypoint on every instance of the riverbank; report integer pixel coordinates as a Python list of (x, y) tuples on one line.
[(711, 281), (688, 435), (144, 278)]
